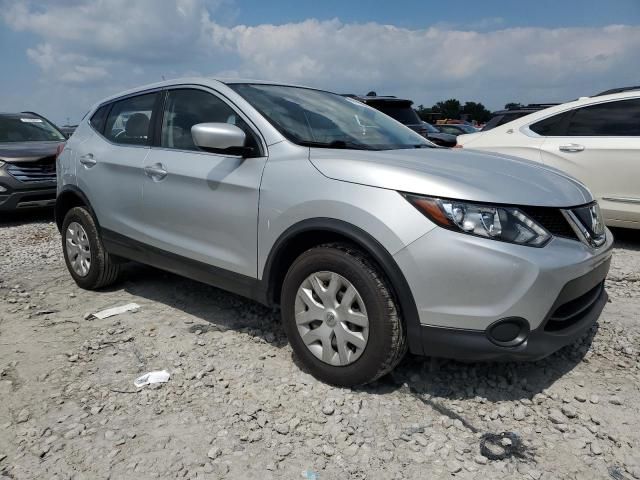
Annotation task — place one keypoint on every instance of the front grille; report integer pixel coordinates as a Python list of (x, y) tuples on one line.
[(43, 170), (552, 220), (589, 223), (573, 311)]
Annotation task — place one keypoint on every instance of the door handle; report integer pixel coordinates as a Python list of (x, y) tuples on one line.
[(572, 147), (88, 160), (155, 171)]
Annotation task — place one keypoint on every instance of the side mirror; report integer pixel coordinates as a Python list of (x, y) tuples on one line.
[(219, 138)]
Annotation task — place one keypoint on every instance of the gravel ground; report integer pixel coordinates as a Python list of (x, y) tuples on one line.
[(238, 406)]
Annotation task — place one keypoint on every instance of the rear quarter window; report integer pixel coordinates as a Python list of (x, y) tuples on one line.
[(99, 117), (129, 120), (554, 126)]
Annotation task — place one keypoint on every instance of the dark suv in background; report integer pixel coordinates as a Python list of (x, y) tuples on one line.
[(28, 147), (401, 109), (501, 117)]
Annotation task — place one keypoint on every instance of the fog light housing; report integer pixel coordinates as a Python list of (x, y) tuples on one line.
[(508, 332), (2, 189)]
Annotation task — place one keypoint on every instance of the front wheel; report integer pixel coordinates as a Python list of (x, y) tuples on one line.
[(340, 316)]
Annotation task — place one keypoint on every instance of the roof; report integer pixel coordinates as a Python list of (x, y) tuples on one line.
[(193, 81), (196, 80), (232, 81)]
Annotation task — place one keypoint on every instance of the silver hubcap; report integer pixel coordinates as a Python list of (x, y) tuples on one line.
[(331, 318), (78, 249)]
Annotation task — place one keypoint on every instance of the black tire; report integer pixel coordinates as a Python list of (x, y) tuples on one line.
[(103, 271), (386, 345)]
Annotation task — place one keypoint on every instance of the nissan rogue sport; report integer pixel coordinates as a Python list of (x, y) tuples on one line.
[(372, 241)]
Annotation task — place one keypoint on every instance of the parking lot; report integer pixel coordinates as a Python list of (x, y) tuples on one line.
[(237, 404)]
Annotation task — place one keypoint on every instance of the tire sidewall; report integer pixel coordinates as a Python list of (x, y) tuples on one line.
[(84, 218), (378, 345)]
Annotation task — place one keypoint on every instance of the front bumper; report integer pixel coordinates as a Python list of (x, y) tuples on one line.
[(463, 286), (588, 296), (21, 195)]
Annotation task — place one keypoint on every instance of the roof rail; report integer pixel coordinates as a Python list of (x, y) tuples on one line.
[(617, 90)]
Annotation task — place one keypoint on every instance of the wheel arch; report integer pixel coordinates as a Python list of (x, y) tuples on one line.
[(312, 232), (70, 197)]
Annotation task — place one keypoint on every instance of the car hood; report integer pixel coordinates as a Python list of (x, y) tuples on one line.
[(27, 151), (455, 173)]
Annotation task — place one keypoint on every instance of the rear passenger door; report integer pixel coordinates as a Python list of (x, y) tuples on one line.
[(600, 145), (110, 162), (205, 205)]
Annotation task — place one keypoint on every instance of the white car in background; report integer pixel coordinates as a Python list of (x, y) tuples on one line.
[(594, 139)]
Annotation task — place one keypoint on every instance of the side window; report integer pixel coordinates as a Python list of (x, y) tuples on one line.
[(612, 119), (551, 127), (129, 121), (99, 117), (188, 107)]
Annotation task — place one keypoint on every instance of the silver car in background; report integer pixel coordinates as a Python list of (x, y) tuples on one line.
[(372, 241)]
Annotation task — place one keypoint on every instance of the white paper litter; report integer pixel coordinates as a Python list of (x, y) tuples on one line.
[(159, 376), (110, 312)]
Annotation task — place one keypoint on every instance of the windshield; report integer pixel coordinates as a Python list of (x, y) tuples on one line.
[(321, 119), (26, 128)]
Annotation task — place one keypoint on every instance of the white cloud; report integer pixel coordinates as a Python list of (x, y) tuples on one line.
[(138, 31), (123, 43), (68, 67), (511, 64)]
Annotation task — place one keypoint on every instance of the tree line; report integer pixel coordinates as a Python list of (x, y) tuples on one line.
[(454, 109)]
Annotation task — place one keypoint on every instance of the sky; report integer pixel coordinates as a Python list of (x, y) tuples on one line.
[(59, 57)]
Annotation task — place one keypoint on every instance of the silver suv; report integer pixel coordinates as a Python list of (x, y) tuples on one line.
[(372, 240)]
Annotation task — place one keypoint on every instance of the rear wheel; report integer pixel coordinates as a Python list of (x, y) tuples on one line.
[(340, 316), (88, 262)]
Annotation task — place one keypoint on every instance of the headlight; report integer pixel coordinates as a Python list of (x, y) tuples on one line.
[(507, 224), (2, 163)]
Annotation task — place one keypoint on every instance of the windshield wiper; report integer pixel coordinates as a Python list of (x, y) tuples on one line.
[(336, 144)]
